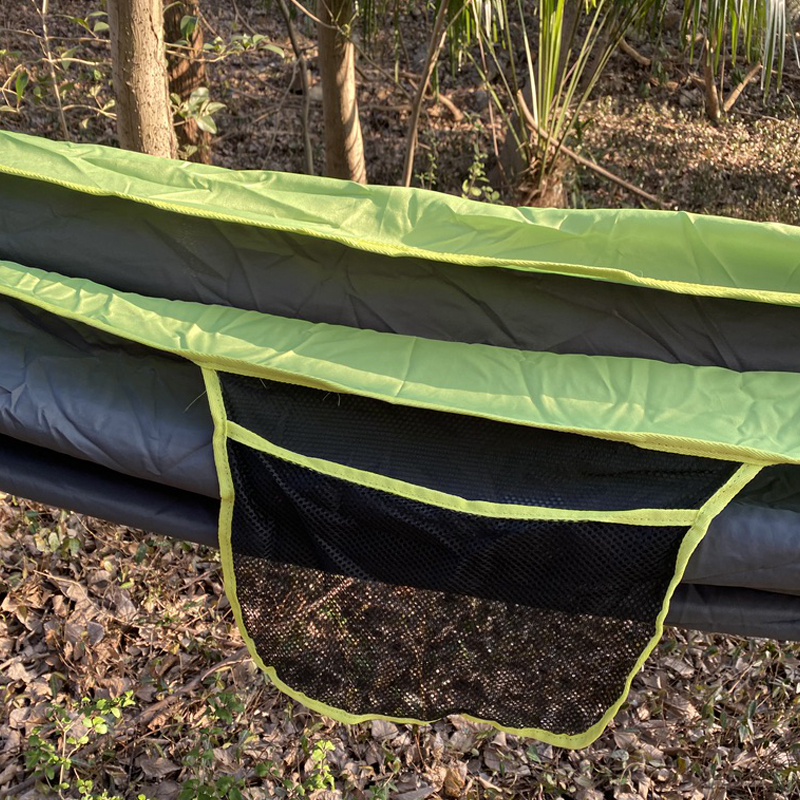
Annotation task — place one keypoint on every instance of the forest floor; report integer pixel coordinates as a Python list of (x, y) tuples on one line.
[(132, 633)]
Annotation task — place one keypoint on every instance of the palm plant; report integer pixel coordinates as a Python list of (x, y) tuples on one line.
[(568, 43), (566, 47), (754, 29)]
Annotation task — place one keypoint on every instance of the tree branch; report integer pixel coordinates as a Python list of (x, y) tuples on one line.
[(562, 148), (437, 40), (735, 93)]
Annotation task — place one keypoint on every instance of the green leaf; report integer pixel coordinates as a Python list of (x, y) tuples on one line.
[(66, 55), (21, 83), (100, 27), (188, 25), (198, 96), (207, 124), (212, 108), (275, 49), (82, 22)]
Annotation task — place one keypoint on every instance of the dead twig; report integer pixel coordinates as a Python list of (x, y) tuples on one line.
[(301, 60), (436, 43), (635, 54), (51, 64), (737, 91), (147, 714), (561, 147)]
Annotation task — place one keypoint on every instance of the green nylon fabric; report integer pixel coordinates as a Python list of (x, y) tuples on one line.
[(708, 411), (743, 416), (673, 250)]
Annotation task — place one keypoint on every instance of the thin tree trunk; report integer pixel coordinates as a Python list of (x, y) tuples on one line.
[(187, 72), (712, 94), (344, 146), (144, 120), (434, 48)]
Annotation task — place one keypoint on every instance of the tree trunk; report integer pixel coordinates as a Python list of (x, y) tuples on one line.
[(144, 119), (187, 72), (712, 95), (344, 146)]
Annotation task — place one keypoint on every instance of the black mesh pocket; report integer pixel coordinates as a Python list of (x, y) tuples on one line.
[(374, 597), (471, 457), (379, 604)]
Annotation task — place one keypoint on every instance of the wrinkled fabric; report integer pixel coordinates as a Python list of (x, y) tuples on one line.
[(704, 411), (65, 387), (662, 329), (160, 253), (87, 394), (657, 248)]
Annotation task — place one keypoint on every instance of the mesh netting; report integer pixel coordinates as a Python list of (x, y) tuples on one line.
[(474, 458), (380, 604), (396, 607), (373, 648)]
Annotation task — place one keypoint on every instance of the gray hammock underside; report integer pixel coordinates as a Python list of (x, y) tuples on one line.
[(48, 477), (111, 428)]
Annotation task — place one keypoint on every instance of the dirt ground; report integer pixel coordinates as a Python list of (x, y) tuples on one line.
[(120, 662)]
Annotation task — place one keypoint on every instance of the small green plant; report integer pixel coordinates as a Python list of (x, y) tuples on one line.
[(427, 178), (476, 186), (221, 710), (53, 749), (224, 788), (198, 107), (319, 776), (57, 539), (240, 43)]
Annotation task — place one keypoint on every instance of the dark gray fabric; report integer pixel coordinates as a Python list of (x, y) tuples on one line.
[(750, 546), (138, 248), (59, 480), (776, 487), (84, 393), (741, 612)]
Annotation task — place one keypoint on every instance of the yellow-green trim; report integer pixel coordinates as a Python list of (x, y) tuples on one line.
[(225, 429), (706, 411), (450, 502)]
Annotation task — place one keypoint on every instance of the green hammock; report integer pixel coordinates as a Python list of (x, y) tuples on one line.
[(417, 521)]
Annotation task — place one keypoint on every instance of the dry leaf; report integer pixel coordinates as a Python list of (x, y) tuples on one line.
[(416, 794), (17, 672), (156, 767), (382, 729), (454, 780)]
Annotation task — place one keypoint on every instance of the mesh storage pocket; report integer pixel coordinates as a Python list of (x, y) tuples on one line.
[(376, 595)]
